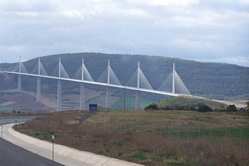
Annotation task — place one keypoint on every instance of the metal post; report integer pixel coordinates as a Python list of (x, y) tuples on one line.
[(53, 138), (173, 79)]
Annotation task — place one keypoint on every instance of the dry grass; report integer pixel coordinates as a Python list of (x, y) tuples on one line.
[(152, 138)]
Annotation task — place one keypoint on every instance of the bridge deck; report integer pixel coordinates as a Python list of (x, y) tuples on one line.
[(95, 83)]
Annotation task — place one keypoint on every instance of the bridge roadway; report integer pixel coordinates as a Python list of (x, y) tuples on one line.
[(95, 83), (122, 87)]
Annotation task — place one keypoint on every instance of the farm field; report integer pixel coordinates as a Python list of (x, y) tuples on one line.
[(151, 138)]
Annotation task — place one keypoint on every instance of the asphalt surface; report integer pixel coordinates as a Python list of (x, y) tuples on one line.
[(12, 155)]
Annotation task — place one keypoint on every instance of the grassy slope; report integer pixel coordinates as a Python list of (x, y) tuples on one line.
[(152, 138), (186, 101)]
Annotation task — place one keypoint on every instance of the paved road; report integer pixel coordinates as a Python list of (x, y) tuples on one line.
[(12, 155)]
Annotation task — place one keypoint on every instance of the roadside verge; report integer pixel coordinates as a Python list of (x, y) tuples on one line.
[(62, 154)]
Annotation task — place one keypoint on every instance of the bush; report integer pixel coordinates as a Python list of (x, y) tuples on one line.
[(231, 108), (152, 107), (203, 108), (247, 106)]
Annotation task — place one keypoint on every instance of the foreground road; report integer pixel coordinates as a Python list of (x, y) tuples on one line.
[(62, 154), (12, 155)]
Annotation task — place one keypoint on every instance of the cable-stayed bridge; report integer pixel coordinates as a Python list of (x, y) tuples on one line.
[(172, 86)]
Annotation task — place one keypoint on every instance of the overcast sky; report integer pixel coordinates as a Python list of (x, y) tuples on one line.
[(205, 30)]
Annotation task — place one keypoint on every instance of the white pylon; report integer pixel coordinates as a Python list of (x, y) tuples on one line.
[(82, 69), (59, 66), (173, 79), (108, 82), (138, 74), (59, 89), (39, 66), (108, 72), (82, 87), (138, 86), (19, 77)]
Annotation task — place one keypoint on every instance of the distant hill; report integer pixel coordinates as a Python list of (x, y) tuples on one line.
[(215, 80)]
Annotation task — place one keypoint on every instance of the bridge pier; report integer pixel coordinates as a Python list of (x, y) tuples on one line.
[(19, 83), (59, 96), (125, 102), (38, 89), (137, 102), (107, 88), (82, 98), (138, 86), (107, 98)]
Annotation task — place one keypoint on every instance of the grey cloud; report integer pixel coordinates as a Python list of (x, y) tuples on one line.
[(205, 33)]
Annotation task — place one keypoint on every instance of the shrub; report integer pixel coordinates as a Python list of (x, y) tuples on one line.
[(152, 107), (247, 105), (203, 108), (231, 108)]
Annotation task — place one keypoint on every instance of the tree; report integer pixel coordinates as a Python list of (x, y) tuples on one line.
[(152, 107), (231, 108), (247, 105), (204, 108)]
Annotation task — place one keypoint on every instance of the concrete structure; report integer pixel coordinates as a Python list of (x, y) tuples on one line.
[(112, 81)]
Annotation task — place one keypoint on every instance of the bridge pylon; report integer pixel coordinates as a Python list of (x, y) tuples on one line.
[(59, 88), (82, 87), (107, 93), (19, 77), (137, 104), (173, 79)]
